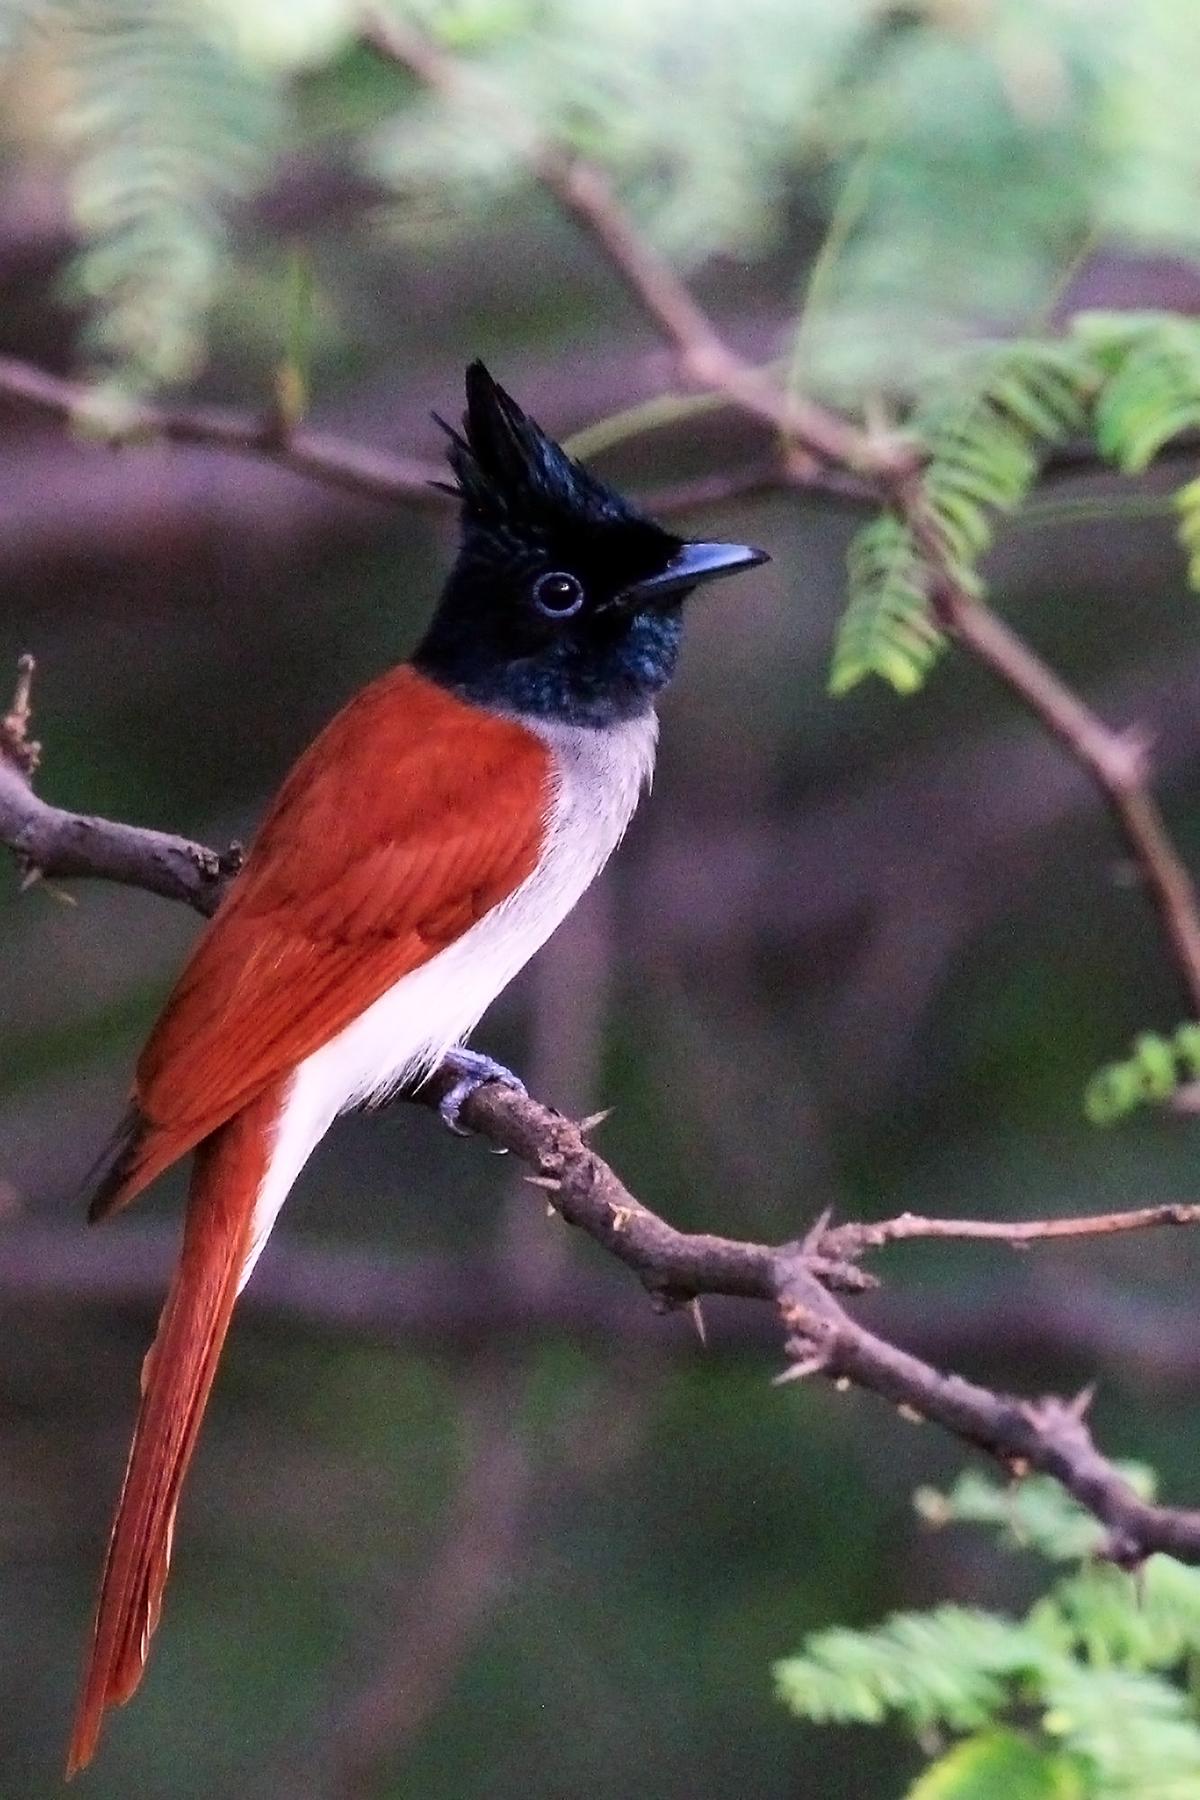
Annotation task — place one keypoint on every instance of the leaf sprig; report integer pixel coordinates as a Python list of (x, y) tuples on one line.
[(1099, 1664)]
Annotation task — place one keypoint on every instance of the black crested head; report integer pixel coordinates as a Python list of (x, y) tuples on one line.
[(509, 472), (565, 600)]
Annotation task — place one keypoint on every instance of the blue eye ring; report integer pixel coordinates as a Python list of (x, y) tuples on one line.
[(557, 594)]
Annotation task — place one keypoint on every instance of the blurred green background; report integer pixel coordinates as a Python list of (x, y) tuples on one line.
[(467, 1517)]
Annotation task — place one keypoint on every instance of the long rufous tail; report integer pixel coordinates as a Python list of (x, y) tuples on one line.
[(177, 1376)]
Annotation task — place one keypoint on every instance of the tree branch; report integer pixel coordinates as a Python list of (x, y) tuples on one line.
[(1020, 1234), (352, 467), (371, 474), (586, 195), (1049, 1434), (47, 840), (1117, 761)]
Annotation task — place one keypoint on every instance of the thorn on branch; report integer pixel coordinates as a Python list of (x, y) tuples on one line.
[(1081, 1404), (809, 1356), (593, 1121), (15, 741), (812, 1241)]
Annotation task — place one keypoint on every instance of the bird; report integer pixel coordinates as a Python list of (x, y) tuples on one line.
[(420, 851)]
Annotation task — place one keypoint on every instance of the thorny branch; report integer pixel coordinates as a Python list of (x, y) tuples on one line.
[(358, 469), (373, 473), (49, 841), (800, 1281)]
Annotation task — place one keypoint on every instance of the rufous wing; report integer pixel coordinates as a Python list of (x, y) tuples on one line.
[(411, 816)]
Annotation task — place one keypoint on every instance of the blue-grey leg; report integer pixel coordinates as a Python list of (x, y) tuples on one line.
[(471, 1070)]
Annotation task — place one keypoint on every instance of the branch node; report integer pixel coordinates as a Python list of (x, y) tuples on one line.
[(229, 862), (840, 1276), (666, 1299), (1126, 760), (1123, 1549)]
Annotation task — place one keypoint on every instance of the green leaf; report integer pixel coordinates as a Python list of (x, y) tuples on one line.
[(1151, 1621), (167, 123), (1000, 1765), (886, 630), (1151, 390), (954, 1666), (1156, 1068), (1136, 1733), (1035, 1514)]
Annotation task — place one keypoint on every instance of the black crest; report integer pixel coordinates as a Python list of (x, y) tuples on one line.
[(565, 600), (509, 472)]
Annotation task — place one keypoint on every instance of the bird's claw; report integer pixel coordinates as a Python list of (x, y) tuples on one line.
[(472, 1070)]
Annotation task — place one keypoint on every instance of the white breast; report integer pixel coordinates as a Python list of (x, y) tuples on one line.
[(598, 777)]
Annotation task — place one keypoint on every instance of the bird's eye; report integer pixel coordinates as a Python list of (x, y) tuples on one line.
[(557, 594)]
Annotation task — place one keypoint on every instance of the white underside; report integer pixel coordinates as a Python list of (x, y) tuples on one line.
[(598, 777)]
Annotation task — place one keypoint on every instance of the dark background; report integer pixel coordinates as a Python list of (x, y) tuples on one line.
[(457, 1530)]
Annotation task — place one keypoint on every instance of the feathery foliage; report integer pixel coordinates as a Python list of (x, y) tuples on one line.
[(951, 1666), (1149, 394), (1030, 1515), (886, 629), (1101, 1662), (166, 120), (1128, 381), (1150, 390), (984, 428), (985, 167)]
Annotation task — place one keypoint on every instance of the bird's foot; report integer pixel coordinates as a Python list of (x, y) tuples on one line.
[(472, 1070)]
